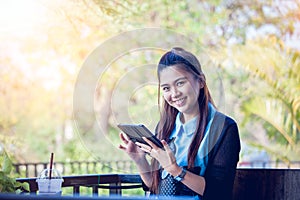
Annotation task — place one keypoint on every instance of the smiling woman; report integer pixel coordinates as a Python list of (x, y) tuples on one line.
[(200, 144), (19, 16)]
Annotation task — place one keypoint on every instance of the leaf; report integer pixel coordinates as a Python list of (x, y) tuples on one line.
[(6, 183), (272, 112), (21, 187), (7, 164)]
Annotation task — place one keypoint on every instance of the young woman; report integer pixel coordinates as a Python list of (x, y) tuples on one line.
[(201, 145)]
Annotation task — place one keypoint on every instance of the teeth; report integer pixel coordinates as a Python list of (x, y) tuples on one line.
[(179, 101)]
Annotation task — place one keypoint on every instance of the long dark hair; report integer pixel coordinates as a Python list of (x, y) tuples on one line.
[(188, 62)]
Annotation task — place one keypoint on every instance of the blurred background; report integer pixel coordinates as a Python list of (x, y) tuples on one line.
[(253, 63)]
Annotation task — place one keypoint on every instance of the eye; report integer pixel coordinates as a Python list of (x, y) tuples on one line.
[(165, 89), (180, 83)]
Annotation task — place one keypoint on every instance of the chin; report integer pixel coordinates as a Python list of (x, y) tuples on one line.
[(180, 109)]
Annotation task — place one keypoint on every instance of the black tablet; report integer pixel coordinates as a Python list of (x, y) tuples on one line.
[(136, 131)]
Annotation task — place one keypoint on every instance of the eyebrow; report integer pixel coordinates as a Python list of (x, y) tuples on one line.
[(181, 78)]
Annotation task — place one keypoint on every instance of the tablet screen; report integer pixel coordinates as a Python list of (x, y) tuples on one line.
[(136, 131)]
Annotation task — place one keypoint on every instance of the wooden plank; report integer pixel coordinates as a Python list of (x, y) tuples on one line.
[(90, 180), (292, 185), (261, 184)]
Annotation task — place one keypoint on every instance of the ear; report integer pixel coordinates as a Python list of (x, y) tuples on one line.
[(201, 83)]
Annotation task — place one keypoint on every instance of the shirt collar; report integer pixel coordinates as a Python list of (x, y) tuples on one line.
[(189, 127)]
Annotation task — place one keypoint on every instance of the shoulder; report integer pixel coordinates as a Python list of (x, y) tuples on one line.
[(226, 127), (224, 119), (228, 138)]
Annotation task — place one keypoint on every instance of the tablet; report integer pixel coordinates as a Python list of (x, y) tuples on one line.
[(136, 131)]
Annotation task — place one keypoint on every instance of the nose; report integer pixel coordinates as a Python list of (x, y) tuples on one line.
[(175, 93)]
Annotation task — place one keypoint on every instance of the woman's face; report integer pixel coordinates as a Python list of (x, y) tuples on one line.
[(181, 90)]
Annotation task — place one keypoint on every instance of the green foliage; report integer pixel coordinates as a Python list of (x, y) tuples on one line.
[(274, 98), (263, 72), (39, 68), (8, 184)]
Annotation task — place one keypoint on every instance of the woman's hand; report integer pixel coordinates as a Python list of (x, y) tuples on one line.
[(164, 156), (139, 157), (134, 152)]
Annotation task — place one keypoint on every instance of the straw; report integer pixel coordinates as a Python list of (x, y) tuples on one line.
[(51, 163)]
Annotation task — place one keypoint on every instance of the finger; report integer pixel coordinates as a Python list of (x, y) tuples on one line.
[(141, 145), (166, 146), (146, 150), (144, 147), (150, 143), (122, 147), (123, 138)]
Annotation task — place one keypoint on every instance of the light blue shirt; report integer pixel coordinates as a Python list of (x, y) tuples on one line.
[(183, 134)]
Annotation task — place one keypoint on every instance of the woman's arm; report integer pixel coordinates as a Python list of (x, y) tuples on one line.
[(139, 157), (194, 182), (167, 160), (220, 172), (145, 171), (219, 177)]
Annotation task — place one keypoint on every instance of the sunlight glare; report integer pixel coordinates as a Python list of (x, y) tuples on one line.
[(19, 16)]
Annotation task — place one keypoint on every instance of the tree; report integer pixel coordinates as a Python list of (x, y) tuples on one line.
[(269, 75), (228, 31), (274, 97), (38, 72), (236, 34)]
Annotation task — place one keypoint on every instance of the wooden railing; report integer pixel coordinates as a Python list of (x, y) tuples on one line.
[(258, 184), (270, 164), (121, 166), (77, 167)]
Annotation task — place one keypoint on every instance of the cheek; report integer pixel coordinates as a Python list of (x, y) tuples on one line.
[(166, 96), (194, 91)]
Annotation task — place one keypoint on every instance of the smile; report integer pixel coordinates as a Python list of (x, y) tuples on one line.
[(179, 102)]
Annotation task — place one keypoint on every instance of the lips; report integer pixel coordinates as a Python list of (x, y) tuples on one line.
[(180, 102)]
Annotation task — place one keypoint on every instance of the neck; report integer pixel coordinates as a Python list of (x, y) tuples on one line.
[(186, 117)]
